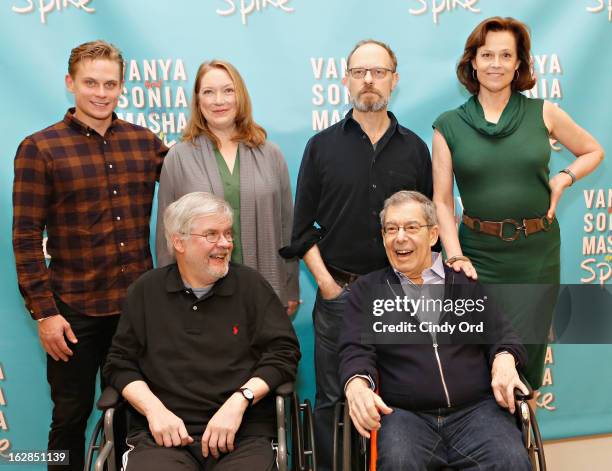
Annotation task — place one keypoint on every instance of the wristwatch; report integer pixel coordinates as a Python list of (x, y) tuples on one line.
[(247, 394)]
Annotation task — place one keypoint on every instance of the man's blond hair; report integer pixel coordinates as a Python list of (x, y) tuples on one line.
[(95, 50)]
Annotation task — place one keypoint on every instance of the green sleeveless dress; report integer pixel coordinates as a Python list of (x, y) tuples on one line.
[(502, 172)]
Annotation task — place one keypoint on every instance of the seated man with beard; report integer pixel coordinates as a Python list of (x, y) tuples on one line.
[(199, 346)]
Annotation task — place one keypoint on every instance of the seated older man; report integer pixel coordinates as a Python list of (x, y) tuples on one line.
[(199, 346), (439, 354)]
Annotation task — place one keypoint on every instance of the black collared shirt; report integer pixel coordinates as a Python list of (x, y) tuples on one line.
[(342, 185), (194, 353)]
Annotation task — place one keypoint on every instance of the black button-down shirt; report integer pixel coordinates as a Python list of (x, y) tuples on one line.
[(342, 185)]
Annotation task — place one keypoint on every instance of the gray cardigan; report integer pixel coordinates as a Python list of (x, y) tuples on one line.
[(266, 205)]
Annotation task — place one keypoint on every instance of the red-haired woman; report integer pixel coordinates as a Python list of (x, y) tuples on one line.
[(223, 151)]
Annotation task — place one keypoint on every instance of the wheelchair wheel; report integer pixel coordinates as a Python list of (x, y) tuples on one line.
[(310, 456), (531, 436), (95, 444)]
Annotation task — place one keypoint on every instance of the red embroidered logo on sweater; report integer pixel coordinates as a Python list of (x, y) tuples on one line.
[(235, 329)]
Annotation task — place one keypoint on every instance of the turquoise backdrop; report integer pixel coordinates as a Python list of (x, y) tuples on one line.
[(291, 54)]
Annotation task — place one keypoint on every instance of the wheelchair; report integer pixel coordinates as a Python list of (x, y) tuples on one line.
[(107, 443), (352, 444)]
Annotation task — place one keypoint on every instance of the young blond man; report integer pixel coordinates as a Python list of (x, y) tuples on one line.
[(87, 180)]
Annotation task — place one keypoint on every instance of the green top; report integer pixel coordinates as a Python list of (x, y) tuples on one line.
[(502, 172), (501, 169), (231, 192)]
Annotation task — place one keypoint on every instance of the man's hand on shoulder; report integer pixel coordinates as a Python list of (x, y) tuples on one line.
[(222, 427), (504, 378), (167, 429), (364, 406), (51, 332)]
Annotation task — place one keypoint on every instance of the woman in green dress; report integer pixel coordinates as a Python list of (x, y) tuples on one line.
[(497, 147), (224, 152)]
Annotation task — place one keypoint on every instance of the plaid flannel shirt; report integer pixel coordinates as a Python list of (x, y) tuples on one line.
[(93, 194)]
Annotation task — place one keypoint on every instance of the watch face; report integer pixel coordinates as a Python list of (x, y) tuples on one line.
[(247, 393)]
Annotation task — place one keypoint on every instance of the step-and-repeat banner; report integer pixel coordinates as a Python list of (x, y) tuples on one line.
[(291, 54)]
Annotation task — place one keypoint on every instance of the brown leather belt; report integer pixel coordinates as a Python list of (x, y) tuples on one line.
[(341, 277), (496, 228)]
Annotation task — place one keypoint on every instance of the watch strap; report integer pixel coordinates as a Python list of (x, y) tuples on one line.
[(246, 395)]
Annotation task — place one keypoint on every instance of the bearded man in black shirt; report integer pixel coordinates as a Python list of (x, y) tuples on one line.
[(347, 172)]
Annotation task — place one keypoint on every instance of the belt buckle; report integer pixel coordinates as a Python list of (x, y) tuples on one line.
[(517, 229)]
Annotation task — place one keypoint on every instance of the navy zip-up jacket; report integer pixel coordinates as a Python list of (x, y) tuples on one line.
[(410, 370)]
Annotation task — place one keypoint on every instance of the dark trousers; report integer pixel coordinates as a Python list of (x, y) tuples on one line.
[(327, 316), (73, 383), (479, 437), (250, 453)]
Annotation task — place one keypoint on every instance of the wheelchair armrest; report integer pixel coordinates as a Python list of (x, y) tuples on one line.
[(285, 389), (110, 398), (518, 394)]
